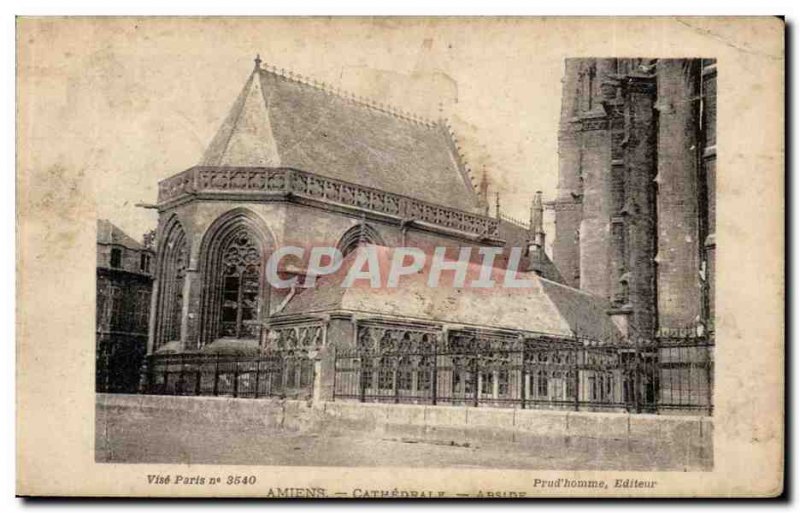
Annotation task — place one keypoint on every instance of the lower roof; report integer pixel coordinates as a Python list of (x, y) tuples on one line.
[(544, 307)]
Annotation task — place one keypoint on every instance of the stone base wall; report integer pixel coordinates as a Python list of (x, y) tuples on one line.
[(675, 442)]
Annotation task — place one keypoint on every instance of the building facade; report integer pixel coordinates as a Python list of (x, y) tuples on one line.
[(297, 163), (124, 285), (635, 210)]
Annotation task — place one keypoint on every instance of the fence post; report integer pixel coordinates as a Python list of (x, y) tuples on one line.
[(166, 376), (434, 373), (216, 375), (150, 369), (198, 379), (522, 378), (236, 378), (709, 377), (361, 380), (475, 380), (181, 384), (577, 379), (639, 365), (335, 363), (395, 383), (258, 377)]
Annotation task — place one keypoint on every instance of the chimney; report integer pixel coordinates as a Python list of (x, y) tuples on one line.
[(537, 220), (483, 193), (536, 255)]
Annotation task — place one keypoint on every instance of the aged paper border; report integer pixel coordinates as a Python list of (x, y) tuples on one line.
[(56, 245)]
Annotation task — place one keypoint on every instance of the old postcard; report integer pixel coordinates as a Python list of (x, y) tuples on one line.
[(400, 257)]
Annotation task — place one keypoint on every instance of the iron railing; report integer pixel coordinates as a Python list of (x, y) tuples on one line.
[(641, 378), (229, 375)]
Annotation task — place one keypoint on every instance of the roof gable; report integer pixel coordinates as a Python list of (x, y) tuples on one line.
[(108, 233), (281, 121)]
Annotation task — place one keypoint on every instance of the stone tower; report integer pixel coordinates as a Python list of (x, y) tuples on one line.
[(635, 205)]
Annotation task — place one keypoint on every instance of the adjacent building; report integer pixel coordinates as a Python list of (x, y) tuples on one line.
[(124, 284), (635, 210)]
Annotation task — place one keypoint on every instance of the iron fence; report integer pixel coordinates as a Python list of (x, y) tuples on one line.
[(642, 378), (229, 375)]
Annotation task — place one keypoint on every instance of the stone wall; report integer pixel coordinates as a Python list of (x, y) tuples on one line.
[(676, 443)]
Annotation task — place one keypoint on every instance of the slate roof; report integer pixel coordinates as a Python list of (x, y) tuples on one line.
[(547, 307), (280, 120), (108, 233)]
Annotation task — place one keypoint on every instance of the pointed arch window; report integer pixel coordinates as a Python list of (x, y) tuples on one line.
[(172, 260), (175, 294), (359, 235), (232, 258), (241, 287)]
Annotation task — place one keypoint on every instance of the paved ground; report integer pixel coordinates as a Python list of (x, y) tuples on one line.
[(168, 437)]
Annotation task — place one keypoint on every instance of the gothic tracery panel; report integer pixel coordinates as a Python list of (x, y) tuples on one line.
[(173, 263), (241, 272)]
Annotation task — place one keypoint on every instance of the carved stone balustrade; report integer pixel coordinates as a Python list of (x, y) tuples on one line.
[(293, 183)]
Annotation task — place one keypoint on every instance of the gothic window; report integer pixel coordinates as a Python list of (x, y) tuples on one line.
[(241, 271), (570, 388), (541, 383), (356, 236), (558, 385), (385, 374), (425, 373), (593, 389), (291, 373), (463, 379), (175, 296), (172, 264), (502, 382), (405, 374), (366, 372), (487, 383)]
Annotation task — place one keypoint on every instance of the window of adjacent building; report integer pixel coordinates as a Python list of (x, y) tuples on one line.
[(115, 307), (116, 258), (144, 262), (142, 310)]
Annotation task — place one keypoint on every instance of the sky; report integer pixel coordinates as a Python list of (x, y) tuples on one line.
[(112, 106), (134, 101)]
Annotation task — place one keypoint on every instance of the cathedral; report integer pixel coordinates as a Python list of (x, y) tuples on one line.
[(300, 163)]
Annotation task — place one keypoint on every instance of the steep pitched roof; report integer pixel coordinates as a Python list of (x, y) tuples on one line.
[(546, 307), (281, 120), (108, 233)]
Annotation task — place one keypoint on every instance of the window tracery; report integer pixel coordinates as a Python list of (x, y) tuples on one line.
[(241, 272)]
